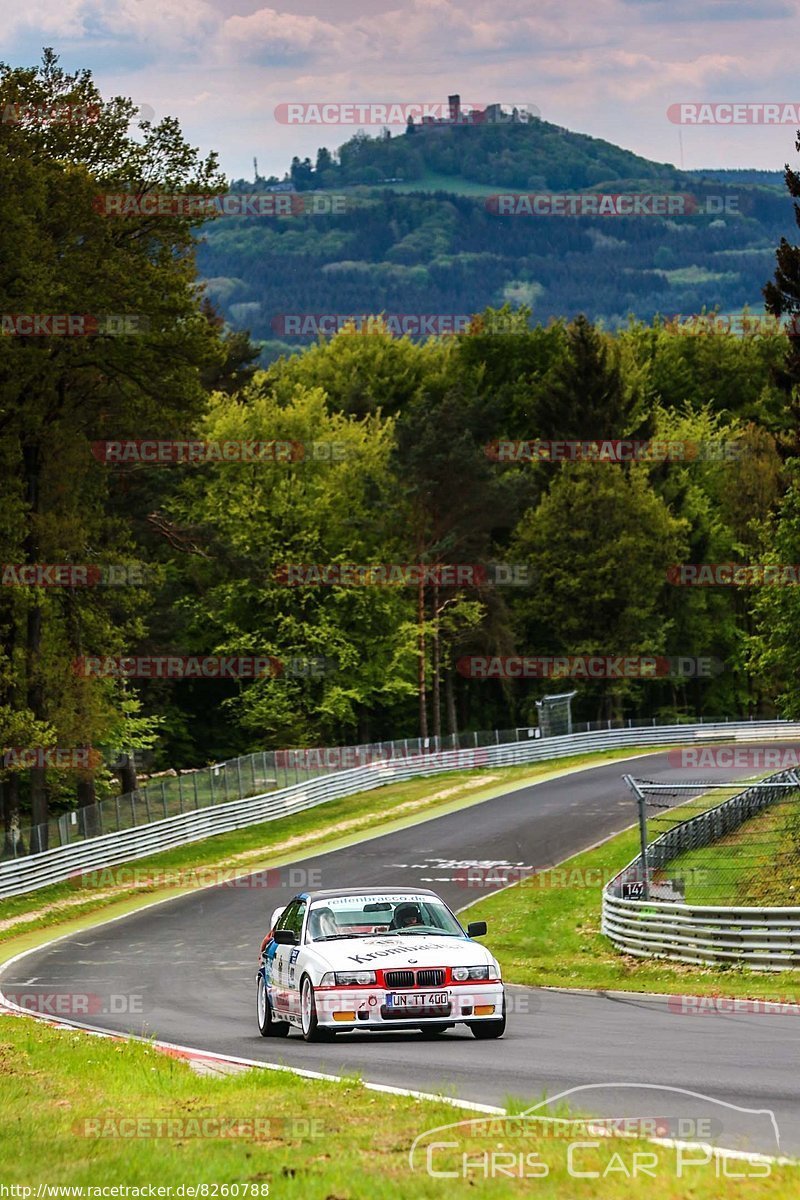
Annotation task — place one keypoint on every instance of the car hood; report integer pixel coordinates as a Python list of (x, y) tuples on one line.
[(403, 950)]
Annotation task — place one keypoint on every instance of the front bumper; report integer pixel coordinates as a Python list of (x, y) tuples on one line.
[(367, 1007)]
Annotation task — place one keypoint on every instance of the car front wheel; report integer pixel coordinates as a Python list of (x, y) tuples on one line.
[(483, 1030), (267, 1025), (312, 1030)]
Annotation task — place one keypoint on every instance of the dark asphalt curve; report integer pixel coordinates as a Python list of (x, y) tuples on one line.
[(184, 971)]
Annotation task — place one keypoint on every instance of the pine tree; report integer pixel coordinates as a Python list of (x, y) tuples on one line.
[(782, 297), (585, 395)]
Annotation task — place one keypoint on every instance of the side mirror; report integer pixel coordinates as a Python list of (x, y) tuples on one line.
[(476, 929), (285, 937)]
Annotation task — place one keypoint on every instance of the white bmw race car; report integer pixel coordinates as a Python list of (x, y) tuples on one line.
[(369, 959)]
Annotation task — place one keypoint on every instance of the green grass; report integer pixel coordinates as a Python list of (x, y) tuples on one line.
[(68, 1098), (455, 185), (756, 864), (545, 932), (71, 1103), (274, 843)]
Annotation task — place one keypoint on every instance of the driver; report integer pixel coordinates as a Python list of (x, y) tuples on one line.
[(407, 915)]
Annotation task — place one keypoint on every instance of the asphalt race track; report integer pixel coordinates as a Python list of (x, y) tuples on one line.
[(190, 962)]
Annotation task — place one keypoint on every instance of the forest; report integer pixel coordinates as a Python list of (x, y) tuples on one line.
[(202, 556), (412, 223)]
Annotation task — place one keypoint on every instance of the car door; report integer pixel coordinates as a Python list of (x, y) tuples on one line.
[(277, 962), (293, 972), (281, 960)]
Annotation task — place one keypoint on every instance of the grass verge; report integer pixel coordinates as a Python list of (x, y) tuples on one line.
[(276, 843), (86, 1112), (545, 932), (758, 863)]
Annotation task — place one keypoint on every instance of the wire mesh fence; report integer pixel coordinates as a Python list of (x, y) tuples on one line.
[(174, 793), (237, 779), (718, 843)]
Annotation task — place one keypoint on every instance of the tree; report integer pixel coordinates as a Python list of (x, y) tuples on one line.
[(599, 545), (775, 644), (60, 254), (324, 161), (247, 522), (362, 371), (302, 174), (724, 489), (782, 298), (586, 395), (439, 448)]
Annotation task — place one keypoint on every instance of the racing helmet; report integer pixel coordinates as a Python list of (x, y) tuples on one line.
[(406, 914)]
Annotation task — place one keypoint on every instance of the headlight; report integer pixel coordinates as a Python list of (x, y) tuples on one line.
[(462, 974), (349, 978)]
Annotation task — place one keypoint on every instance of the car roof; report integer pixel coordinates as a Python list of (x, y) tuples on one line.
[(328, 893)]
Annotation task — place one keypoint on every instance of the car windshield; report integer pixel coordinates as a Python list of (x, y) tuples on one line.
[(370, 916)]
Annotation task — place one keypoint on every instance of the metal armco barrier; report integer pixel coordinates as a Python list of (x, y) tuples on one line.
[(765, 938), (54, 866)]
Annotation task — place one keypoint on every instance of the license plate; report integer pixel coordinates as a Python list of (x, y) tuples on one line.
[(417, 1000)]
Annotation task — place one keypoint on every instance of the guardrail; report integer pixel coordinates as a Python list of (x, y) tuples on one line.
[(56, 865), (177, 792), (174, 793), (766, 938)]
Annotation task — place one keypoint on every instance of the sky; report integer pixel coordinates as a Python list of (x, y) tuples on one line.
[(609, 68)]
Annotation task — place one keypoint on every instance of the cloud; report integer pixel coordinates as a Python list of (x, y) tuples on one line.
[(66, 20), (118, 32), (267, 36), (600, 66), (712, 10), (165, 26)]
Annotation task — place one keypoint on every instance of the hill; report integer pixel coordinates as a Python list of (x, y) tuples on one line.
[(529, 155), (436, 240)]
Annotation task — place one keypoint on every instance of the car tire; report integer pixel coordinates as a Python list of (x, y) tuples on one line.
[(311, 1028), (267, 1025), (483, 1030), (432, 1031)]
